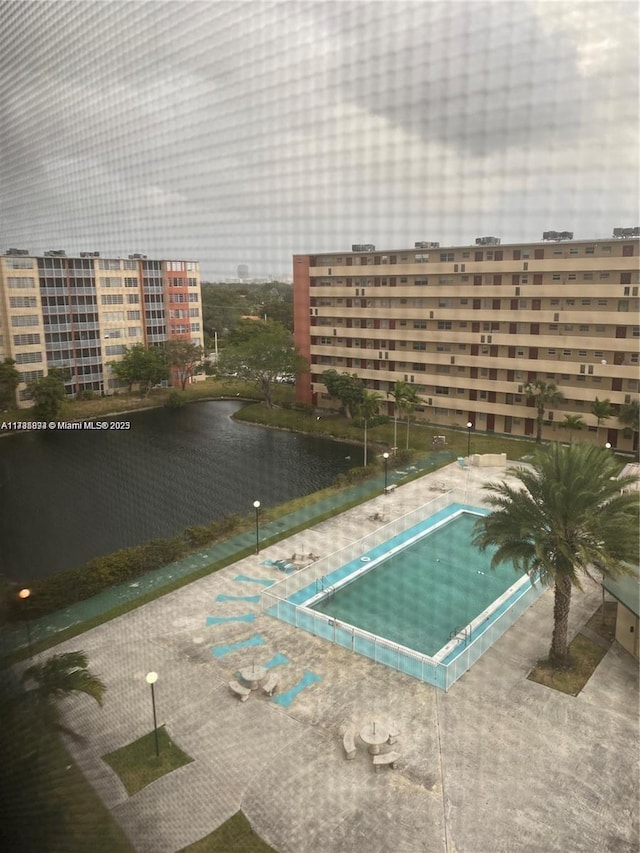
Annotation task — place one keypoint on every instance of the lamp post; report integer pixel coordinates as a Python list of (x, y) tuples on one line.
[(151, 679), (385, 456), (24, 595), (256, 506), (469, 428)]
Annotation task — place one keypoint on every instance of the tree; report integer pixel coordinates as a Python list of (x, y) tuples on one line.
[(185, 358), (348, 388), (410, 403), (265, 353), (367, 408), (542, 394), (567, 516), (602, 409), (9, 381), (405, 401), (143, 366), (59, 676), (48, 394), (572, 423), (629, 416)]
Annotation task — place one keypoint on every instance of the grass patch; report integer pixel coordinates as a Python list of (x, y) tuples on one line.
[(114, 404), (585, 656), (137, 764), (234, 836)]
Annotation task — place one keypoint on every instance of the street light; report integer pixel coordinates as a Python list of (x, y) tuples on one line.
[(256, 506), (151, 679), (385, 456), (469, 428), (23, 595)]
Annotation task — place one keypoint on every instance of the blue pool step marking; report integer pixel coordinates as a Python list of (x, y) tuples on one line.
[(276, 660), (218, 620), (285, 699), (220, 651), (246, 579), (253, 598)]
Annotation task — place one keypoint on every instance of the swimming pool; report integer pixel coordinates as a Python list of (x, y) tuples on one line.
[(421, 592), (415, 594)]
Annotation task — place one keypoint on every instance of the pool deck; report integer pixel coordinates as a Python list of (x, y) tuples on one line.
[(497, 764)]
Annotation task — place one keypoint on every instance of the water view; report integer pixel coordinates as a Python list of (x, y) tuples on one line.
[(68, 496)]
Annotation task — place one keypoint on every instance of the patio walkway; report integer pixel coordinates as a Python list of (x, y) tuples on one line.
[(497, 764)]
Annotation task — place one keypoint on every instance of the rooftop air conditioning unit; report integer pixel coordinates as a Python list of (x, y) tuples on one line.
[(487, 241), (363, 247), (56, 253), (89, 254), (424, 245), (137, 257), (625, 233)]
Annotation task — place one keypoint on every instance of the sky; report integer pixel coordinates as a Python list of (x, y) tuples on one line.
[(246, 132)]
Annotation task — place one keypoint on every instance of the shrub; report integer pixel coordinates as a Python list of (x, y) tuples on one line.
[(175, 400), (404, 456)]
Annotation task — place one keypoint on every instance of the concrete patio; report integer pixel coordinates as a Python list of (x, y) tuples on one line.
[(497, 764)]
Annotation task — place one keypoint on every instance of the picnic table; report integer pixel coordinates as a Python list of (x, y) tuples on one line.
[(374, 734)]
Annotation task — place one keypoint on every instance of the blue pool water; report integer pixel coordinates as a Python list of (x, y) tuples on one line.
[(417, 589)]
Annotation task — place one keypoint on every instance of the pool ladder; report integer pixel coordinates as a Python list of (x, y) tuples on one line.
[(331, 590), (465, 630)]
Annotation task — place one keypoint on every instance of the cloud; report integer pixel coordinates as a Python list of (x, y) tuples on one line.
[(237, 132)]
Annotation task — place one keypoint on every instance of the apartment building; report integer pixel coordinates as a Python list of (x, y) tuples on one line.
[(470, 326), (81, 313)]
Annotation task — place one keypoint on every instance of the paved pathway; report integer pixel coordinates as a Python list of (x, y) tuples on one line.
[(497, 764)]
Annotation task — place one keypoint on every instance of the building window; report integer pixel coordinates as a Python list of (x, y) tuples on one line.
[(25, 320), (28, 357), (23, 302), (26, 340), (16, 283), (19, 263)]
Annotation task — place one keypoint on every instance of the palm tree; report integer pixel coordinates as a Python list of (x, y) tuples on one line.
[(59, 676), (571, 423), (409, 404), (629, 416), (400, 390), (602, 409), (406, 400), (568, 515), (368, 407), (543, 394)]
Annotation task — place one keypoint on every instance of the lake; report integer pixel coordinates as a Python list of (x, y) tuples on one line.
[(68, 496)]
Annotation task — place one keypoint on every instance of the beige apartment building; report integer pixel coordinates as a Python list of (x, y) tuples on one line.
[(81, 313), (470, 326)]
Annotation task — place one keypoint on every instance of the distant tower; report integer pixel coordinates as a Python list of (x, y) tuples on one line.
[(243, 271)]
